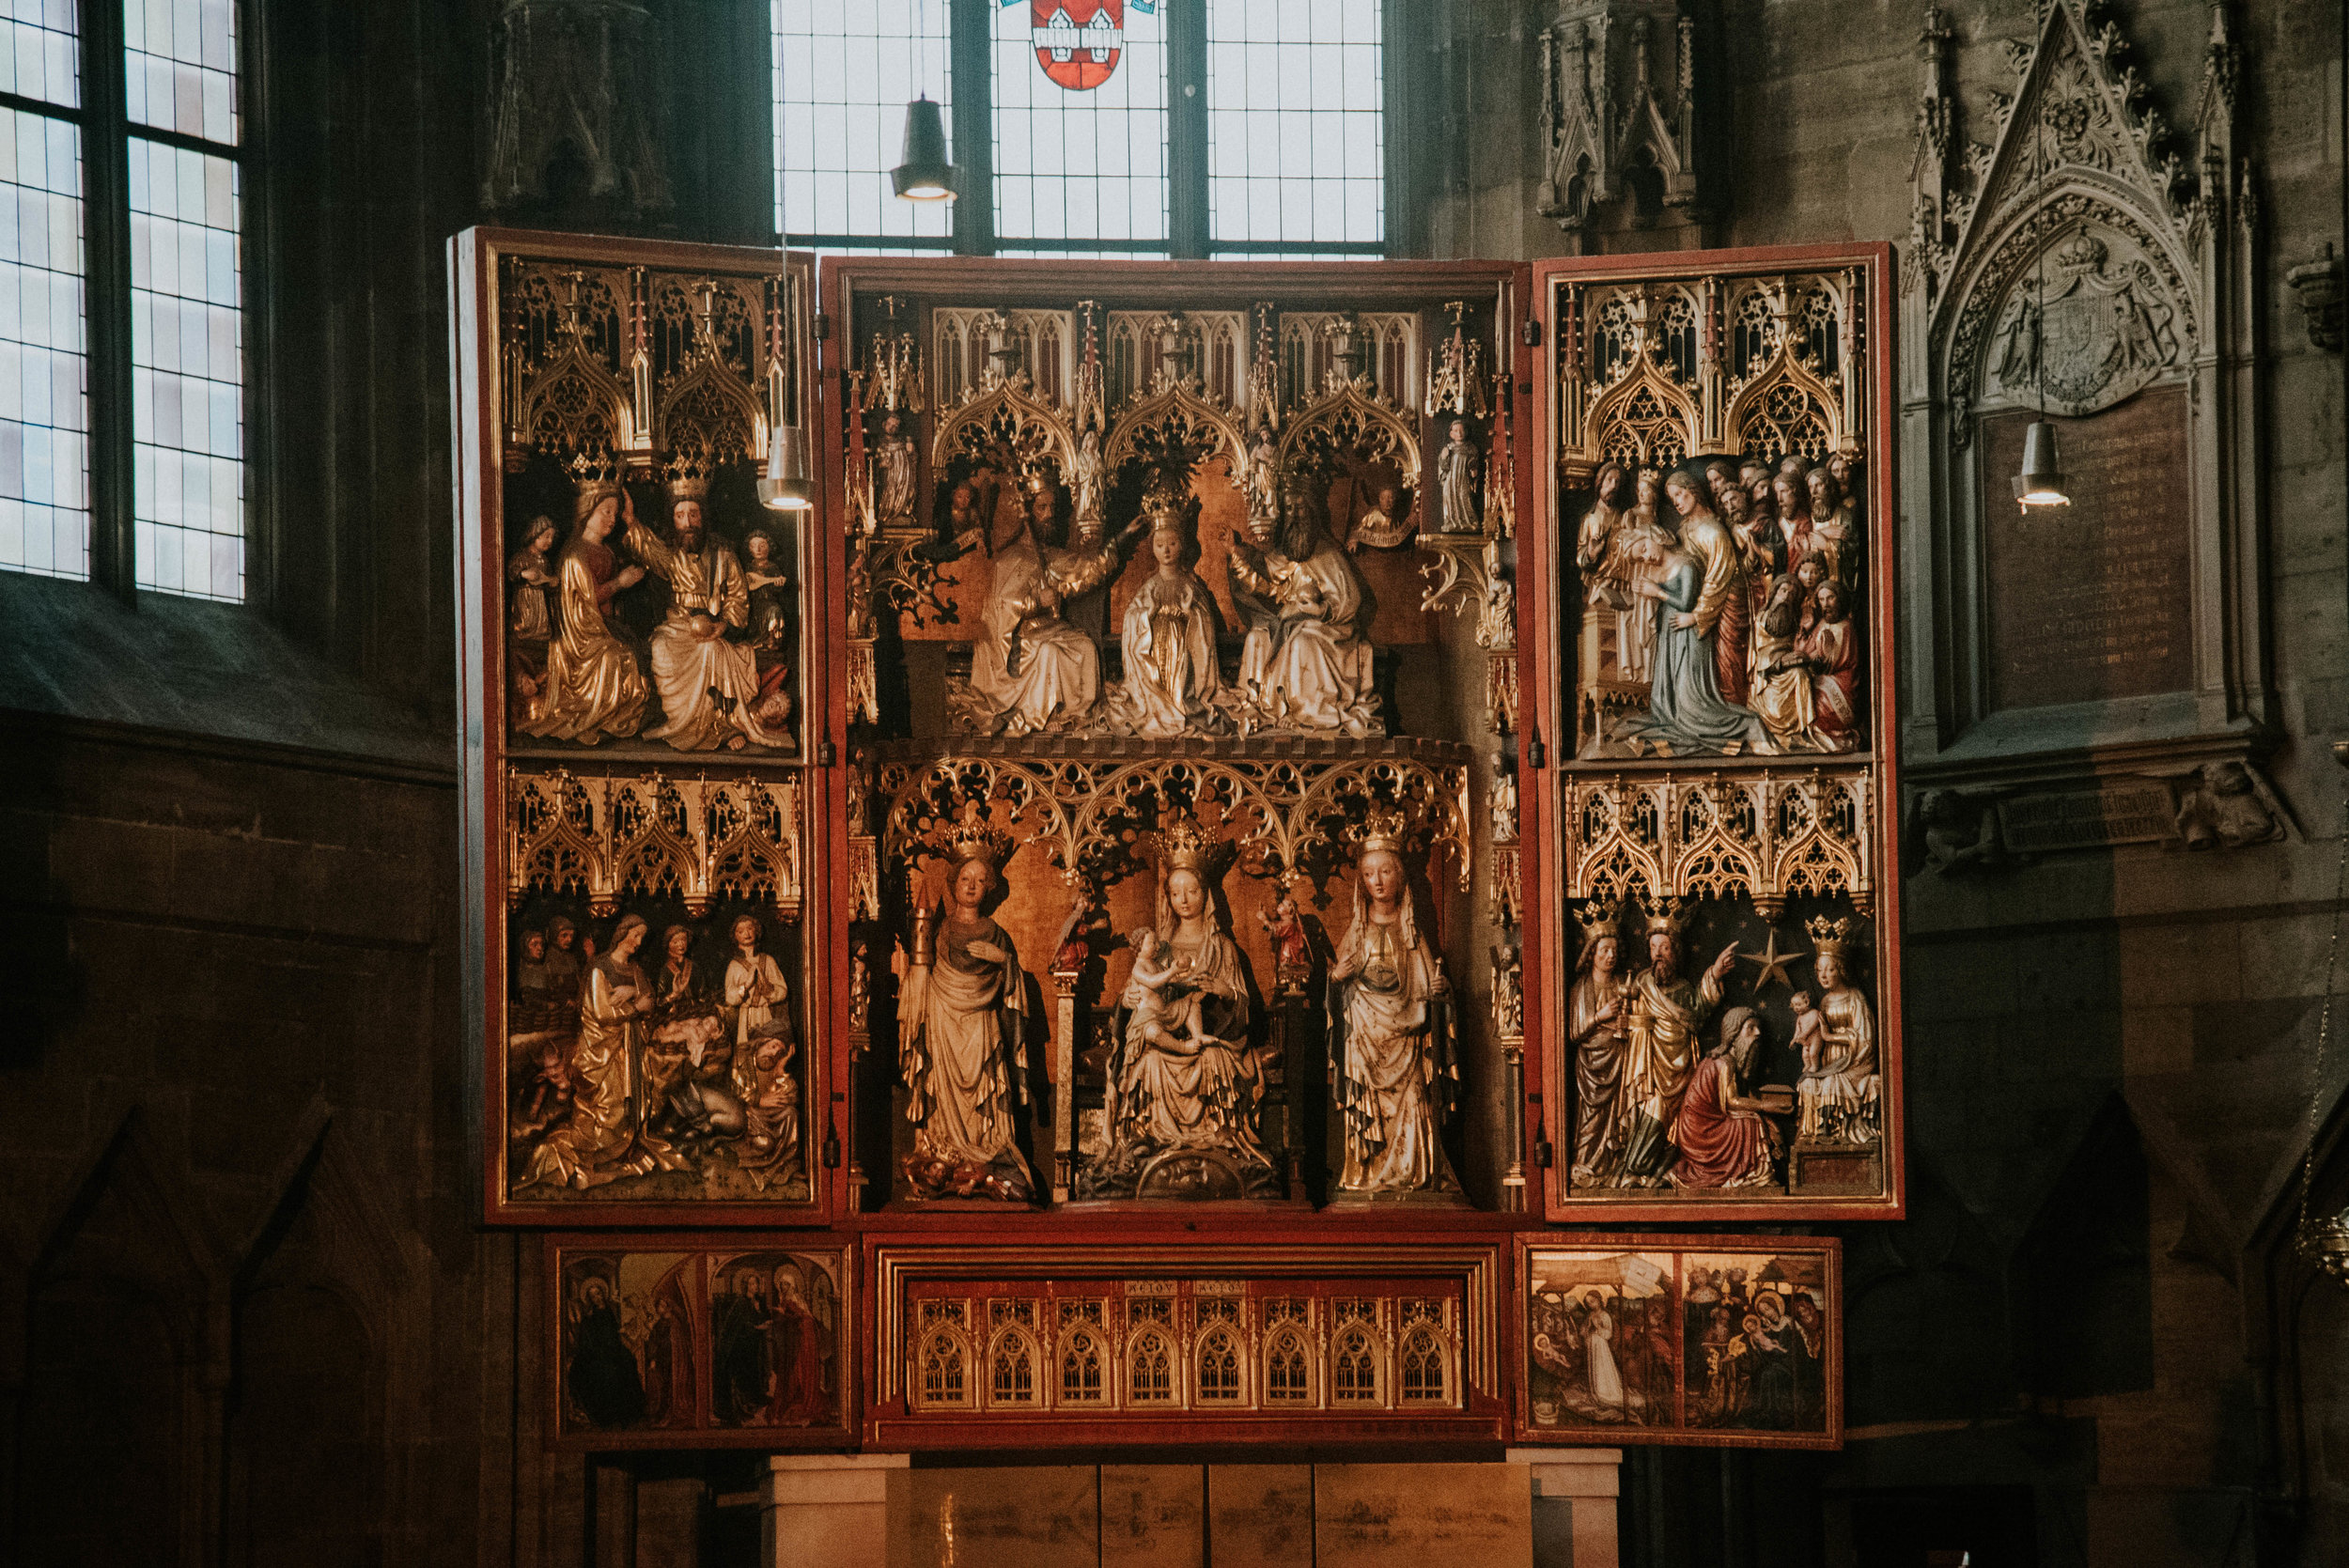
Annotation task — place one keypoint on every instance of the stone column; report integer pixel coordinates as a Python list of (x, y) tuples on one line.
[(828, 1509), (1587, 1483)]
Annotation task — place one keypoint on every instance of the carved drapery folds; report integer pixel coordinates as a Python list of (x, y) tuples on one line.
[(1619, 111), (2070, 250)]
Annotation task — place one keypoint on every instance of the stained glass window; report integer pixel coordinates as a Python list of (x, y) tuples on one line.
[(181, 301), (188, 372), (1295, 142), (180, 67), (41, 54), (842, 77), (1097, 141), (1080, 164), (45, 408)]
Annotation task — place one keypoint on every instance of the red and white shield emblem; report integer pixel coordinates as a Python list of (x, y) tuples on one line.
[(1078, 41)]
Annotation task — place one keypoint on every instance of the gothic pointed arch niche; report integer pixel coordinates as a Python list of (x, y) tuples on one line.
[(2089, 259)]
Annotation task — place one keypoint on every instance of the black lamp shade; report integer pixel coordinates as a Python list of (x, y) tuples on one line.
[(925, 174), (2041, 483), (785, 486)]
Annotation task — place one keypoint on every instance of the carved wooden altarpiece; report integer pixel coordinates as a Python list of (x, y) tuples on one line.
[(1069, 885), (1714, 638)]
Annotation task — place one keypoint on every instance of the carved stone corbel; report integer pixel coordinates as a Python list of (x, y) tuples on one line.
[(2318, 285)]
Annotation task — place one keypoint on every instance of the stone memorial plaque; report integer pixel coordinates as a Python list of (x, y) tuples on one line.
[(2093, 602)]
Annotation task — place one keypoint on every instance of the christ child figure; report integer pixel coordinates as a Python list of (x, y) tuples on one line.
[(1158, 1011), (1810, 1040)]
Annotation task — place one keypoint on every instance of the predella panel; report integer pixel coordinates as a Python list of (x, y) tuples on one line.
[(1723, 1341), (669, 1342)]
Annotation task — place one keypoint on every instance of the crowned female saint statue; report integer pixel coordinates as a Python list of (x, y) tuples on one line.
[(1172, 684), (963, 1017), (1391, 1032), (1842, 1098), (1183, 1084)]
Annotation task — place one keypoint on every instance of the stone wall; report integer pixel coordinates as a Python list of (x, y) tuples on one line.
[(2086, 1332)]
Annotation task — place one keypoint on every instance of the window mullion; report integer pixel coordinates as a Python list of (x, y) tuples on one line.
[(106, 219), (973, 55), (1186, 130)]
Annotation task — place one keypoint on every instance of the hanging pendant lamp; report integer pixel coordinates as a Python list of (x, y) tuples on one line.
[(785, 486), (924, 172), (2040, 486)]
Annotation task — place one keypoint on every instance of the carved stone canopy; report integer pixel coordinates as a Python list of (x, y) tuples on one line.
[(1618, 109)]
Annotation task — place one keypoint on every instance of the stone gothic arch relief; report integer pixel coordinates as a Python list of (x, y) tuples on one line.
[(2069, 250)]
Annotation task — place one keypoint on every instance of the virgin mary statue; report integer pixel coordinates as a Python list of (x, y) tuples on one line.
[(1184, 1080), (1390, 1028)]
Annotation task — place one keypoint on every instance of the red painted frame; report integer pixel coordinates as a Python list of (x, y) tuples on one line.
[(480, 477), (1540, 552)]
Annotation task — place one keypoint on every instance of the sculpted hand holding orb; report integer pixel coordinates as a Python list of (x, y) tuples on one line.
[(1308, 662), (1391, 1032), (962, 1022)]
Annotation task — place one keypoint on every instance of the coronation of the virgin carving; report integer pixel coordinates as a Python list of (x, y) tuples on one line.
[(1179, 638)]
